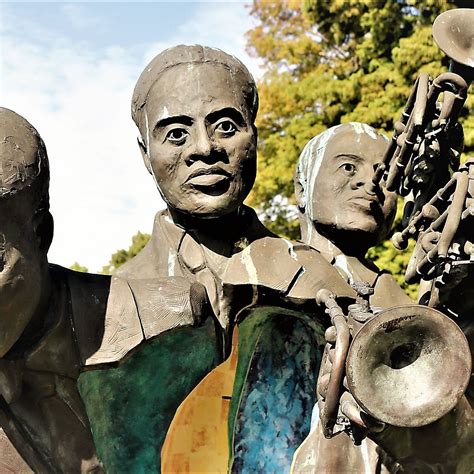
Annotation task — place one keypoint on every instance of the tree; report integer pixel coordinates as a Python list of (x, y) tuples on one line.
[(329, 63), (77, 267), (338, 61), (139, 240)]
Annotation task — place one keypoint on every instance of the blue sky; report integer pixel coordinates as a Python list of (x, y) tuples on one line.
[(70, 69)]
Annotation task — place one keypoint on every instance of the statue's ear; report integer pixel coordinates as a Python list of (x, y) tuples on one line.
[(44, 227), (145, 156), (300, 195)]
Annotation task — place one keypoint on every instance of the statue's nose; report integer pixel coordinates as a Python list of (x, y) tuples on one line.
[(201, 147)]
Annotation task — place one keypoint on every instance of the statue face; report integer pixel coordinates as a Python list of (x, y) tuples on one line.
[(344, 197), (201, 140), (23, 265), (22, 268)]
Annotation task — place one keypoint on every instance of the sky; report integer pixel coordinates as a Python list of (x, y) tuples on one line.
[(69, 69)]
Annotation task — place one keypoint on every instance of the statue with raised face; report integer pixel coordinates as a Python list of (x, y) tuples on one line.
[(343, 210)]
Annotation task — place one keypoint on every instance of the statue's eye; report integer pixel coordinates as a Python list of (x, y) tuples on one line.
[(226, 127), (177, 136), (349, 168)]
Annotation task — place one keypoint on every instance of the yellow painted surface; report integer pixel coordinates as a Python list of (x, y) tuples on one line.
[(197, 440)]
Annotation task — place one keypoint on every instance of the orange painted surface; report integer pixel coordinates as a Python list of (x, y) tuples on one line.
[(197, 440)]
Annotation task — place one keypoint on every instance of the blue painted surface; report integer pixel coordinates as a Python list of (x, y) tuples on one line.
[(278, 375)]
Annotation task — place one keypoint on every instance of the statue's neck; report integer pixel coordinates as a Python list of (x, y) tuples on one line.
[(352, 251), (213, 229)]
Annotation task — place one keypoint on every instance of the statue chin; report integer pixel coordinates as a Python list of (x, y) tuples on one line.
[(21, 287)]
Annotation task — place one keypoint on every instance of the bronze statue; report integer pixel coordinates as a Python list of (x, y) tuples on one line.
[(56, 322), (199, 144), (195, 109), (41, 414), (435, 209), (138, 343), (343, 212)]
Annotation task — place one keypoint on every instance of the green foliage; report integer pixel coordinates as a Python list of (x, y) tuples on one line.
[(139, 240), (77, 267), (333, 62)]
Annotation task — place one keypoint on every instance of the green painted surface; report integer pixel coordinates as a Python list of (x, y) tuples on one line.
[(130, 407)]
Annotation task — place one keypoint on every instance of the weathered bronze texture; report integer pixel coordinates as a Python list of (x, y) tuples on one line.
[(417, 355), (429, 335), (195, 109), (41, 412), (343, 209)]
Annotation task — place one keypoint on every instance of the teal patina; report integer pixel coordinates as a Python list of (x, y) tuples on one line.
[(130, 407)]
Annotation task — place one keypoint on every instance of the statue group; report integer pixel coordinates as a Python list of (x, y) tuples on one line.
[(222, 346)]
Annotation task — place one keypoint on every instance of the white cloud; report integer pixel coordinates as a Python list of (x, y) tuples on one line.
[(78, 98)]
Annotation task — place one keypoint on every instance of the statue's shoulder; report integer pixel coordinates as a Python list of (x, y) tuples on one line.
[(113, 315), (292, 268), (105, 318)]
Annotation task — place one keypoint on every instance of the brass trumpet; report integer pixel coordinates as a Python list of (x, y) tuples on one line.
[(407, 366)]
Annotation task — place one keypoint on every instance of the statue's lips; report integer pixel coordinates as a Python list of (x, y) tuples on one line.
[(364, 202), (208, 177)]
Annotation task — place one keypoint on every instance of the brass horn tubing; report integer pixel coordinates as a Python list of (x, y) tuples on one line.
[(455, 212), (406, 114), (420, 216), (449, 79), (452, 83), (419, 270), (331, 404), (409, 136)]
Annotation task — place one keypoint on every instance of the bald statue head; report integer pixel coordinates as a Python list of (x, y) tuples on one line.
[(334, 189), (26, 228), (195, 108)]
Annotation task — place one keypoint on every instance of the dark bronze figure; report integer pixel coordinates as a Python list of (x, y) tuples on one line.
[(195, 109), (41, 414)]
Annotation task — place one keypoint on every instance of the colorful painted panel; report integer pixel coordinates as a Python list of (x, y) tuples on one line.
[(274, 392), (131, 407)]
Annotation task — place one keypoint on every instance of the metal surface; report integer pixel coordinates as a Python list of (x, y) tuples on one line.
[(408, 366)]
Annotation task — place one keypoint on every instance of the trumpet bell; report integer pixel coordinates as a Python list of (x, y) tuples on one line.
[(453, 32), (408, 366)]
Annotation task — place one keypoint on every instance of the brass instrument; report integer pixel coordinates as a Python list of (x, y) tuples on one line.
[(409, 366), (426, 145)]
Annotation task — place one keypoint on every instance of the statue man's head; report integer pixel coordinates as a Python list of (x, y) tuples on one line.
[(26, 227), (195, 108), (334, 188)]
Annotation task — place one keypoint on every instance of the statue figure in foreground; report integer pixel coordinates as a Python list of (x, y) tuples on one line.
[(195, 109), (391, 359)]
